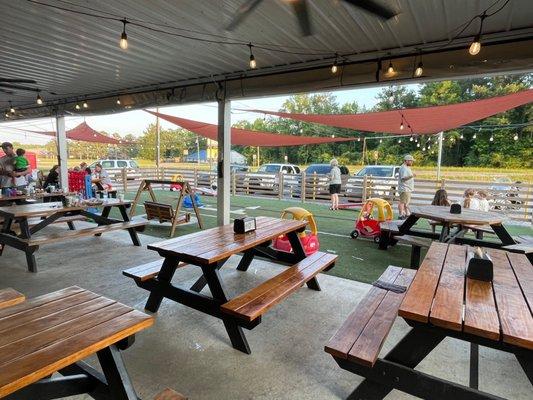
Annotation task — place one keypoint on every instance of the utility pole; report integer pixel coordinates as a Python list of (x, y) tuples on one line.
[(157, 140)]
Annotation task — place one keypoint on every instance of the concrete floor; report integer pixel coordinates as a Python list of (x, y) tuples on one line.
[(190, 351)]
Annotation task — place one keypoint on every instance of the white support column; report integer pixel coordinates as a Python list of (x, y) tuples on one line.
[(439, 158), (62, 153), (224, 160), (157, 141)]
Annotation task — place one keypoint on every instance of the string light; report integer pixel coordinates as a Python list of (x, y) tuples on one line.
[(118, 101), (85, 105), (474, 136), (491, 139), (77, 106), (390, 69), (475, 47), (419, 70), (39, 99), (358, 139), (399, 140), (515, 137), (401, 126), (461, 137), (334, 67), (411, 139), (418, 145), (253, 63), (380, 140), (11, 108), (6, 114), (123, 43)]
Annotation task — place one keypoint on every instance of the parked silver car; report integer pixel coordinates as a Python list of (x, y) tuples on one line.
[(382, 180)]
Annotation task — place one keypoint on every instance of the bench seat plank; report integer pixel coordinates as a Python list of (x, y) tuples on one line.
[(61, 236), (169, 394), (524, 272), (417, 303), (515, 316), (366, 348), (341, 343), (260, 299), (9, 297), (446, 310), (146, 271), (414, 240)]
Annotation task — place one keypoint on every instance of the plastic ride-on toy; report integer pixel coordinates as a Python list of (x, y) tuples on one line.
[(309, 240), (374, 212), (176, 187)]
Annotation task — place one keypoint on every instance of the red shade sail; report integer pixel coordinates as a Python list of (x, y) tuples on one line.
[(245, 137), (425, 120), (85, 133)]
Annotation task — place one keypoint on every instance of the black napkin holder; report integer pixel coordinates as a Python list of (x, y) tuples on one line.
[(455, 209), (479, 265), (244, 225)]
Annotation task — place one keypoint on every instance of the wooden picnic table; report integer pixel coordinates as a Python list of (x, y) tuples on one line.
[(442, 302), (53, 333), (454, 226), (22, 198), (49, 213), (209, 250)]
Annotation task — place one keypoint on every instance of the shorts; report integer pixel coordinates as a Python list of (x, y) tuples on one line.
[(334, 188), (405, 197)]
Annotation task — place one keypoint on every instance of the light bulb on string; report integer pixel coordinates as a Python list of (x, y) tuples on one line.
[(77, 106), (399, 140), (411, 139), (515, 137), (334, 67), (401, 126), (253, 63), (475, 46), (358, 139), (491, 139), (418, 145), (39, 100), (461, 137), (424, 148), (474, 136), (6, 114), (390, 69), (419, 68), (123, 43), (380, 140), (11, 108), (85, 105), (118, 101)]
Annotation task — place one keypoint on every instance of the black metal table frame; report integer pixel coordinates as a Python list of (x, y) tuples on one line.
[(161, 286), (450, 235), (397, 369), (7, 237), (80, 378)]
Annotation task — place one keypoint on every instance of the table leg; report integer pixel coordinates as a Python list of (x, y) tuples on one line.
[(474, 366), (118, 381), (409, 352), (407, 224), (444, 232), (201, 281), (246, 260), (299, 252), (165, 276), (133, 233), (503, 235), (235, 333)]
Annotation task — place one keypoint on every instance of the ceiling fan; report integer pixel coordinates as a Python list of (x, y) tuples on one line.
[(301, 11), (8, 85)]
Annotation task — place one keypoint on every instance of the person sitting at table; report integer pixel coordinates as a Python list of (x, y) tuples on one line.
[(483, 202), (470, 200), (101, 178), (53, 177), (441, 198)]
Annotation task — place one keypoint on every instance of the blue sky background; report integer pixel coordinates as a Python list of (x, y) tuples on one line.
[(135, 122)]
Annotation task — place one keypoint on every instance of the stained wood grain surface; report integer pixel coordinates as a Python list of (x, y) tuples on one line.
[(10, 297), (47, 333), (467, 216), (501, 310), (207, 247), (43, 209)]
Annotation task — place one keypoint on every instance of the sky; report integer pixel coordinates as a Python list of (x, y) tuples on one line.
[(135, 122)]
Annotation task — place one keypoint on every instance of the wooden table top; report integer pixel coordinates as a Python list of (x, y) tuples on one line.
[(45, 334), (215, 244), (42, 209), (442, 295), (35, 196), (467, 216)]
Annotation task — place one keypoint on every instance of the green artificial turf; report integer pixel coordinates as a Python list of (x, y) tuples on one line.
[(358, 260)]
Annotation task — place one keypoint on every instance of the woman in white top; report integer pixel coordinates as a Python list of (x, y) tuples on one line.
[(334, 184)]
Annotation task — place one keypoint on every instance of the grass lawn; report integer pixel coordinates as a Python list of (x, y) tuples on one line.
[(358, 259)]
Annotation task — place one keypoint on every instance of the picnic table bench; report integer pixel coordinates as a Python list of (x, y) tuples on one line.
[(50, 213), (54, 333), (10, 297), (440, 302), (209, 250)]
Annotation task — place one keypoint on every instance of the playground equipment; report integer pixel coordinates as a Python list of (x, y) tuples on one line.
[(373, 212), (309, 240), (165, 212)]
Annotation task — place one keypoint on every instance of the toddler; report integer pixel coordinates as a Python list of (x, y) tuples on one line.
[(21, 164), (469, 200), (483, 202)]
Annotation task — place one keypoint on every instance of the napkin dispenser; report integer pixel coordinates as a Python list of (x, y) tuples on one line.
[(479, 265), (455, 209), (244, 225)]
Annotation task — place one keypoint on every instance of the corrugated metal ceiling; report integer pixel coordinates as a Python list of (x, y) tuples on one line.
[(72, 56)]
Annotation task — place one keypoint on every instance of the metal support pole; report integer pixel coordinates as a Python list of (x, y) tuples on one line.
[(364, 150), (62, 153), (439, 158), (224, 159), (157, 141), (198, 150)]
